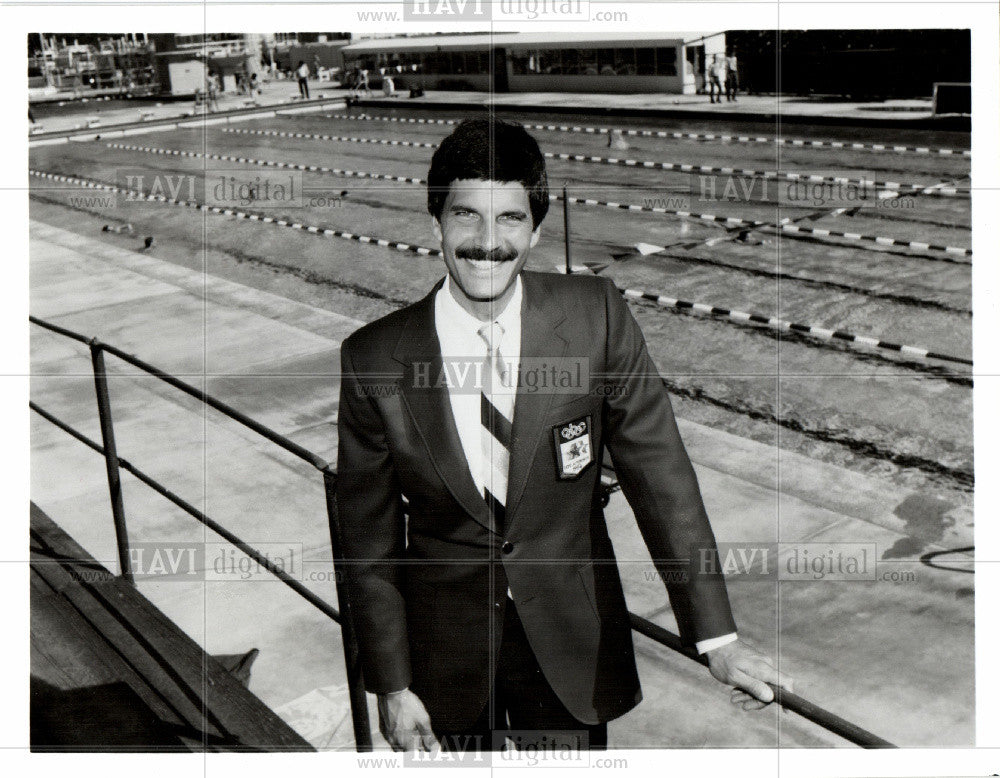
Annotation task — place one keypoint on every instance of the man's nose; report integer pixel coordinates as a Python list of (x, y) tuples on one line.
[(488, 237)]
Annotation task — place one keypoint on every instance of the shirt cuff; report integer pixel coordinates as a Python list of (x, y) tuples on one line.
[(704, 646)]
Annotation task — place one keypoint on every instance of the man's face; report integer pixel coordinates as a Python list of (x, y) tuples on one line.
[(486, 233)]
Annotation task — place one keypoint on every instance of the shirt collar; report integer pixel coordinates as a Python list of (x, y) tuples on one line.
[(455, 316)]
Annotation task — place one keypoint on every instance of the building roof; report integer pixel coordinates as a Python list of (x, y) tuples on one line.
[(524, 39)]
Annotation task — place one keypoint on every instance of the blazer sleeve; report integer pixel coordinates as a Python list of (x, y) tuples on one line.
[(372, 531), (658, 479)]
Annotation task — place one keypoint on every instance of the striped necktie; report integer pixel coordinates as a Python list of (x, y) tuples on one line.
[(497, 414)]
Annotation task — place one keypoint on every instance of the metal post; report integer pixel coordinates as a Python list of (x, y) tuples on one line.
[(355, 680), (569, 267), (111, 458)]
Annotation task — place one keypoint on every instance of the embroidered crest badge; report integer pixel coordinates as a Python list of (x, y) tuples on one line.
[(573, 444)]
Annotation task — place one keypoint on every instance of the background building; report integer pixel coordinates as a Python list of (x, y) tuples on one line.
[(541, 62)]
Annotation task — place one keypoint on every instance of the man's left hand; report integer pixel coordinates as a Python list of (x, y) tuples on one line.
[(737, 664)]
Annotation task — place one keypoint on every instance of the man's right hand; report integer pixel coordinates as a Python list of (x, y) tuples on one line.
[(404, 722)]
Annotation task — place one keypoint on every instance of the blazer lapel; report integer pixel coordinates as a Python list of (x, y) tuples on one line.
[(430, 408), (542, 338)]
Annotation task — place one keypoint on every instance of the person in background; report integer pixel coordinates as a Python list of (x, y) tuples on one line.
[(732, 78), (248, 77), (716, 78), (213, 91), (303, 74)]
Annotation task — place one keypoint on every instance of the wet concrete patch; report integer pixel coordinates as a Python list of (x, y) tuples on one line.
[(926, 521)]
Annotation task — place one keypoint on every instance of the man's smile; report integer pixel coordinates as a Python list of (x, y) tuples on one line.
[(485, 264)]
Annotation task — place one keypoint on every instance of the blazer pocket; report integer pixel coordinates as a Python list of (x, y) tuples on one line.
[(569, 405)]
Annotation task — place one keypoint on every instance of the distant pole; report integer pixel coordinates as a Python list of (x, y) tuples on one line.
[(565, 198)]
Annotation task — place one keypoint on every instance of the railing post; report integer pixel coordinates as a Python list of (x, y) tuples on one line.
[(355, 680), (111, 458)]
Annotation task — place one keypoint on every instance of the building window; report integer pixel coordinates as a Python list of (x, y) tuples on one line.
[(535, 61), (645, 62), (625, 62), (437, 62), (606, 62), (666, 61)]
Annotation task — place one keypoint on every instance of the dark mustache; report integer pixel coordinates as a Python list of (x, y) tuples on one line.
[(500, 253)]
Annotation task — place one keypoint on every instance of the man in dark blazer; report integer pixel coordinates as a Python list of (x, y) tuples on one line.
[(483, 584)]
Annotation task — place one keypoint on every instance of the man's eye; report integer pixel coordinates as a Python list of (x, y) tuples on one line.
[(461, 213), (512, 218)]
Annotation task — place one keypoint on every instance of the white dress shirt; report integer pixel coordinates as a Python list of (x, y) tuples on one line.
[(458, 334)]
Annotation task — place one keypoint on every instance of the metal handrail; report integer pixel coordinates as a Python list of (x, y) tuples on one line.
[(359, 704), (294, 448), (782, 696)]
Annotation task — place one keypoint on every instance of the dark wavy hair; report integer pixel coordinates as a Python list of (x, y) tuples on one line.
[(489, 150)]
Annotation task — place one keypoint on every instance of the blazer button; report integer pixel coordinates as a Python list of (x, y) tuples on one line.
[(507, 547)]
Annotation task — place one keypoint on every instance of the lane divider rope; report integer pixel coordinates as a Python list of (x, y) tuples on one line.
[(265, 163), (781, 324), (798, 142), (344, 138), (325, 231), (786, 226)]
